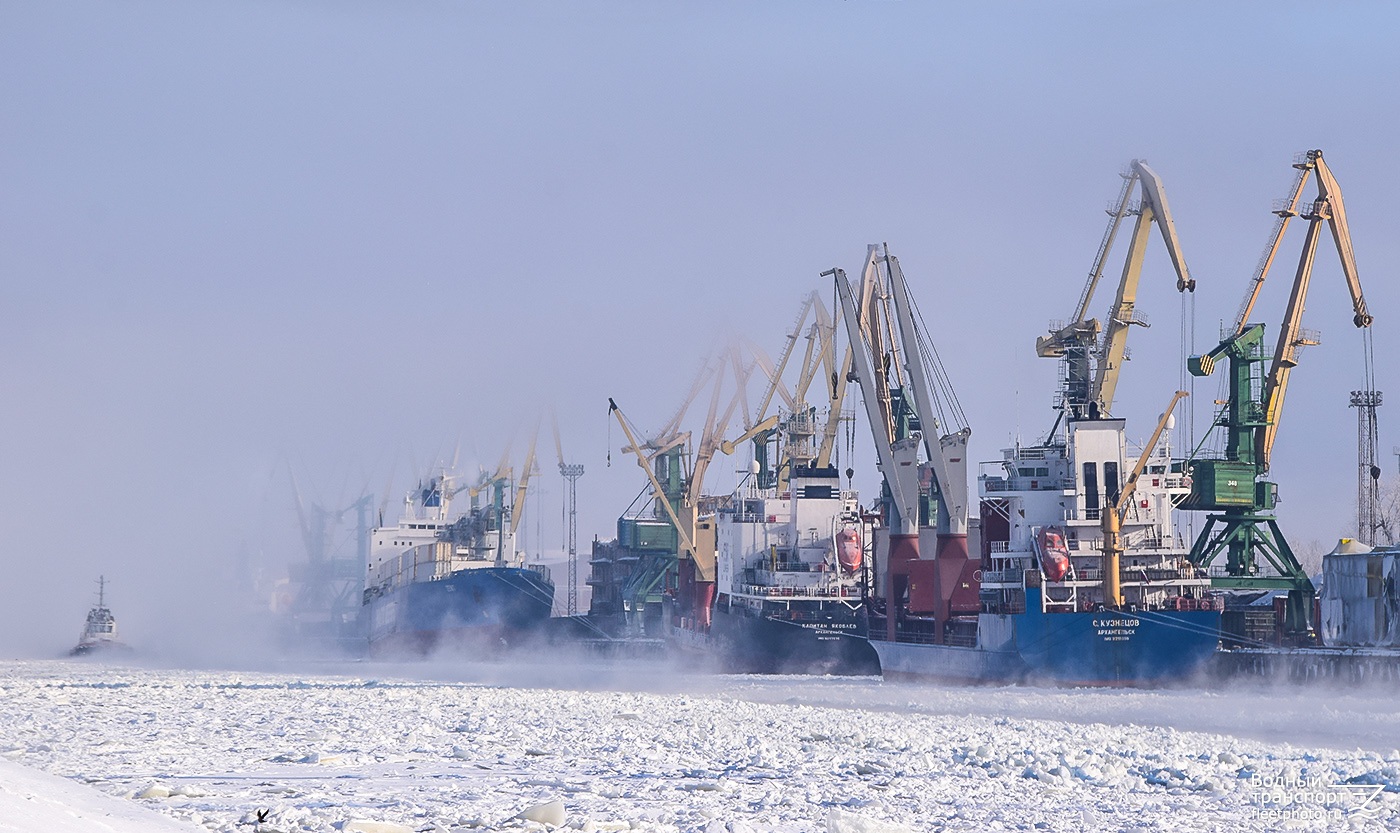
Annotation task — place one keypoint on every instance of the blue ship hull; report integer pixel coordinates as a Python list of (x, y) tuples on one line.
[(1116, 647), (1105, 648), (477, 610)]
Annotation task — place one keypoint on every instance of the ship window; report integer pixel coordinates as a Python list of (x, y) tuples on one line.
[(1091, 486), (1110, 482)]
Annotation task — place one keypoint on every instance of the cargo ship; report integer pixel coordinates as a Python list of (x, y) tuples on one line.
[(791, 575), (1025, 589), (438, 582)]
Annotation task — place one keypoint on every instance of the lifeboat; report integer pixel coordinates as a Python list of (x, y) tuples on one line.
[(848, 551), (1054, 552)]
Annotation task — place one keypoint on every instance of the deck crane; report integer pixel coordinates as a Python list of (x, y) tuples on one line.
[(1111, 520), (1076, 342), (1232, 487), (900, 408)]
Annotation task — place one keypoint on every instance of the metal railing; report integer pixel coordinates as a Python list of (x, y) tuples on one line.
[(772, 591)]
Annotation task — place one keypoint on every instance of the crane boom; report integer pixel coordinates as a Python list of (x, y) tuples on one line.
[(836, 393), (897, 458), (1327, 207), (763, 427), (1106, 245), (1261, 272), (1115, 338), (517, 506), (952, 490)]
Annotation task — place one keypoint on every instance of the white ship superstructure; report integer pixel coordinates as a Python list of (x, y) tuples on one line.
[(427, 543), (1063, 489)]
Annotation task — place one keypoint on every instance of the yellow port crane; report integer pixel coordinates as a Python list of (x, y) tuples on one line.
[(1077, 341)]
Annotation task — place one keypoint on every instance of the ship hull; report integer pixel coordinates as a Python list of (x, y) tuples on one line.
[(478, 611), (1118, 648), (829, 639), (1105, 648), (87, 649)]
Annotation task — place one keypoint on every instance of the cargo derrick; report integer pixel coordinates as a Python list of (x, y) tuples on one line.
[(1112, 517), (1232, 487), (1091, 397), (888, 352)]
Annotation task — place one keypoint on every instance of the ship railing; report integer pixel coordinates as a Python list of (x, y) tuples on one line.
[(1137, 574), (1221, 571), (1002, 576), (1004, 607), (539, 569), (1081, 514), (916, 637), (1026, 484), (1001, 546), (771, 591)]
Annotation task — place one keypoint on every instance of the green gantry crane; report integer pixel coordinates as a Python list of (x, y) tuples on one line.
[(1233, 488)]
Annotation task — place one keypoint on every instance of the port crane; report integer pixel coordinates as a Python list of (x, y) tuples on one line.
[(1090, 397), (676, 488), (571, 472), (806, 444), (1232, 487), (889, 354)]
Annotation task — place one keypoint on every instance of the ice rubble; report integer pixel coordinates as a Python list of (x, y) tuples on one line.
[(329, 753)]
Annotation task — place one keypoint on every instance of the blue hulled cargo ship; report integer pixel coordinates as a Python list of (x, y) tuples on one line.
[(1037, 607), (443, 583), (1069, 571)]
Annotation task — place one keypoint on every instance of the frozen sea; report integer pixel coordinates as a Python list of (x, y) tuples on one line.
[(635, 746)]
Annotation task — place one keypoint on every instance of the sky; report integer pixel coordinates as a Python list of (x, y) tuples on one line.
[(340, 240)]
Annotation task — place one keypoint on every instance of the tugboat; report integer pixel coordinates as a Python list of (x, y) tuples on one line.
[(100, 631)]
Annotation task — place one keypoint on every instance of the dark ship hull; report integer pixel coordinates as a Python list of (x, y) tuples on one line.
[(798, 637), (478, 611)]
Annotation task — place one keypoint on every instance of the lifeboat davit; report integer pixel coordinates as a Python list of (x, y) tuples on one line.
[(848, 550), (1054, 552)]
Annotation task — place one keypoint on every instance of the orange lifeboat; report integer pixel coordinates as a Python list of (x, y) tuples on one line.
[(848, 549), (1054, 552)]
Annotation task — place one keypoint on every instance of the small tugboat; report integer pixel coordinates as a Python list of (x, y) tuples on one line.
[(100, 632)]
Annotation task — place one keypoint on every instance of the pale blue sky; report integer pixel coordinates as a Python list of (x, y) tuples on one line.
[(342, 235)]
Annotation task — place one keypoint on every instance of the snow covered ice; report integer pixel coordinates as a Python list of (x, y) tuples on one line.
[(240, 751)]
